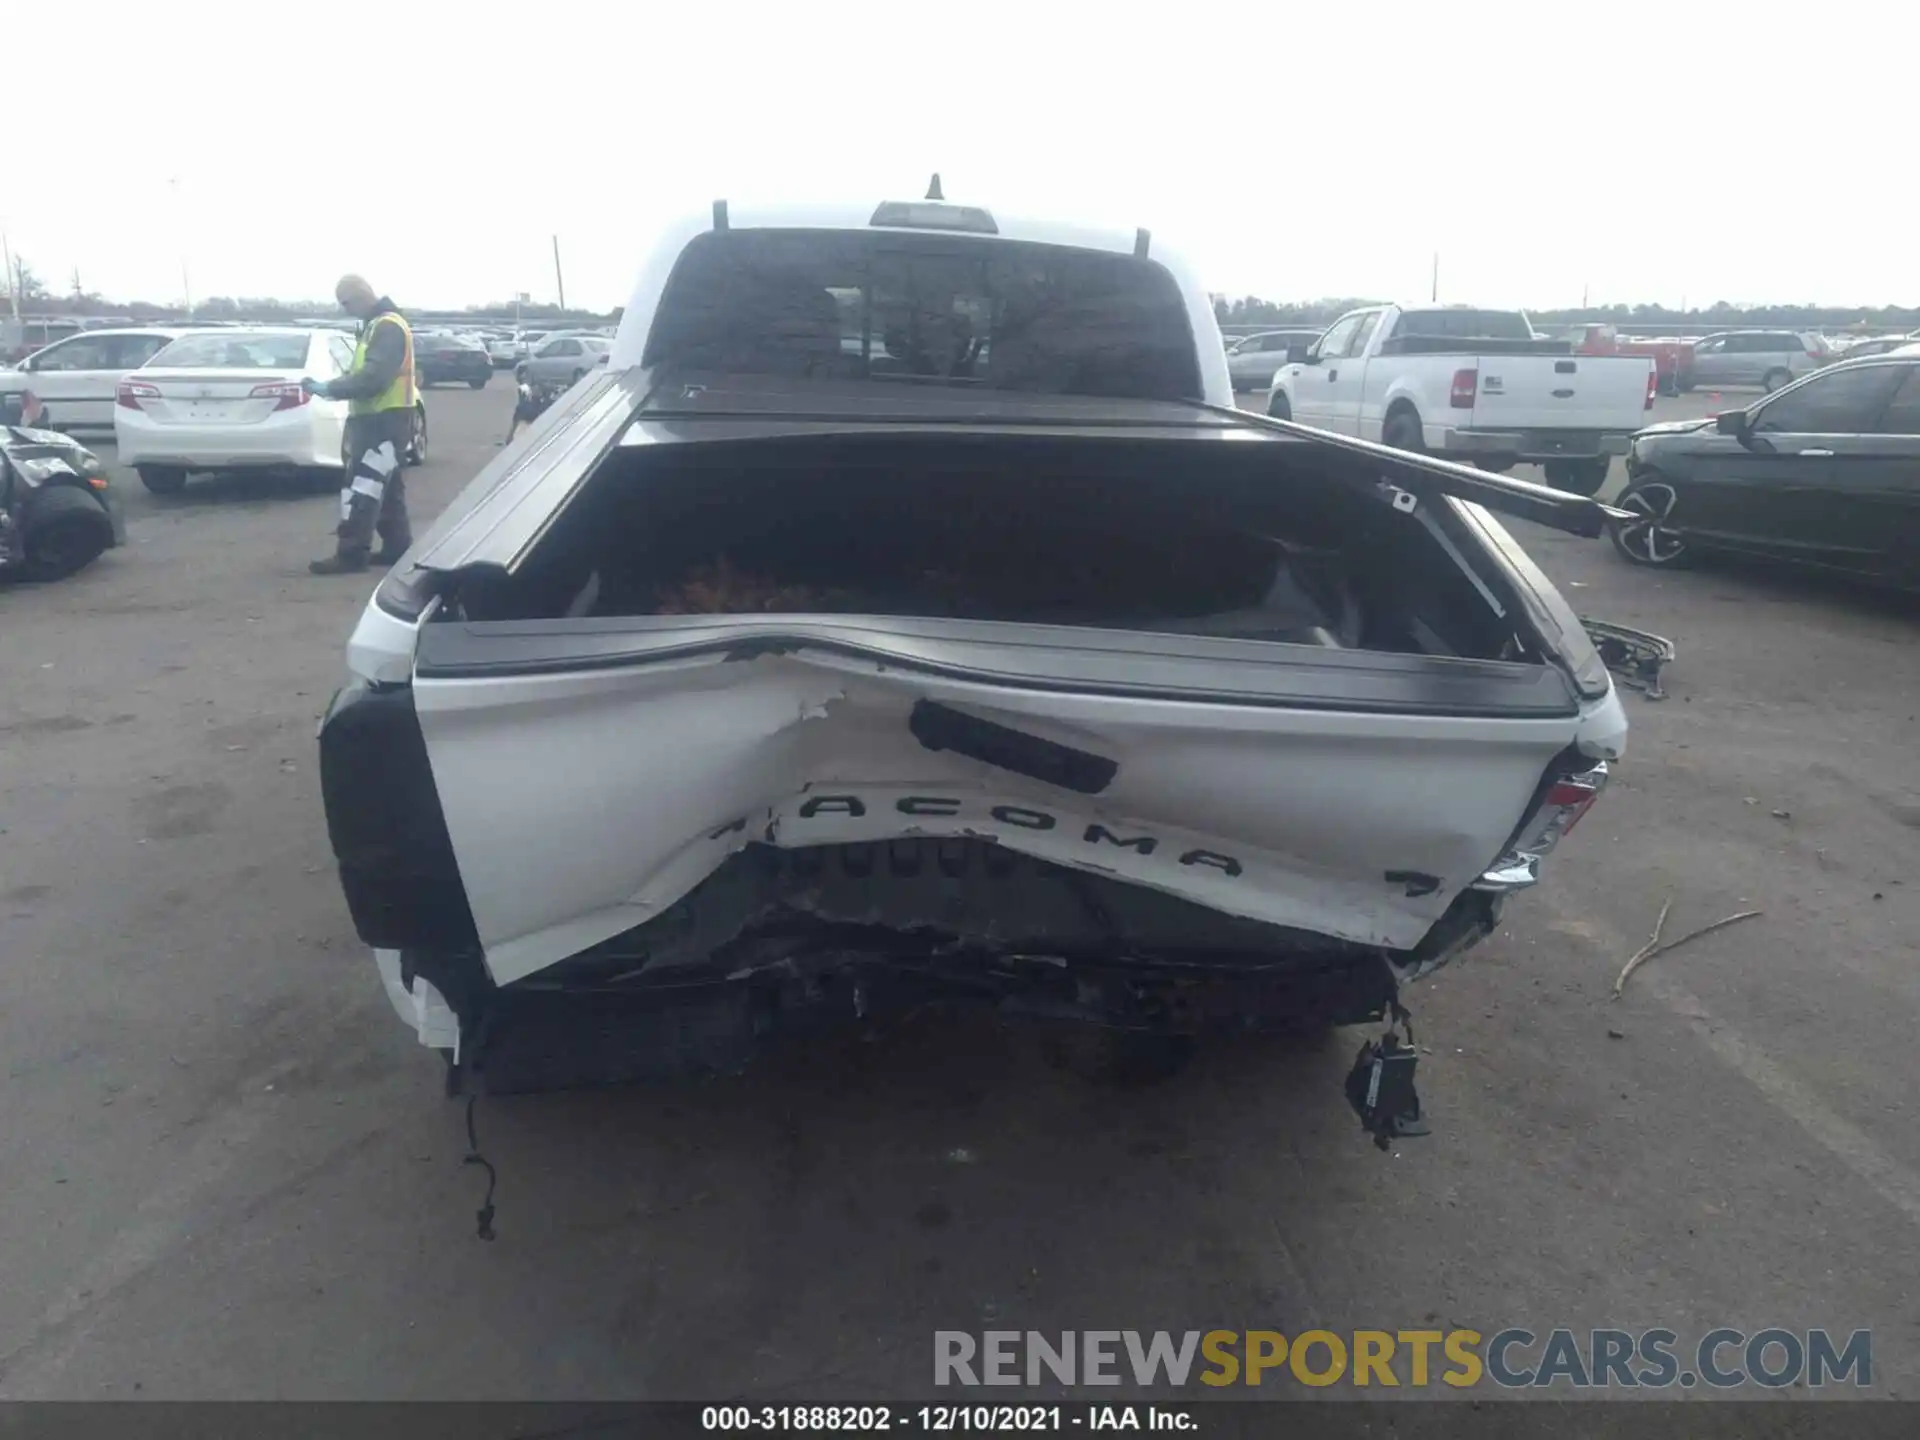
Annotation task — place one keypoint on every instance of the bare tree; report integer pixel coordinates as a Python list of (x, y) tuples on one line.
[(28, 281)]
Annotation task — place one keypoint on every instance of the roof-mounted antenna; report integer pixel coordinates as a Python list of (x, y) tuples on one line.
[(933, 190)]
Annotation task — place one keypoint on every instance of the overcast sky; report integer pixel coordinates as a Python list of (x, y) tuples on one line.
[(1654, 152)]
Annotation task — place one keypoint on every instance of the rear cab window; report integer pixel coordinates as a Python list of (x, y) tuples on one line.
[(933, 309), (1462, 324)]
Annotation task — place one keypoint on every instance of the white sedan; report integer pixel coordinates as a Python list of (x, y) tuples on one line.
[(232, 400), (75, 378)]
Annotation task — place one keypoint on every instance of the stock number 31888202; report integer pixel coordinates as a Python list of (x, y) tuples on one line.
[(923, 1420)]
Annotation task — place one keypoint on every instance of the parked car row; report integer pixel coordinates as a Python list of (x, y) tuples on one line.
[(21, 338), (180, 401), (1877, 345), (1766, 358)]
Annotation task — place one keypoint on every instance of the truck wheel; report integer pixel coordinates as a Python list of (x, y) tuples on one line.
[(68, 532), (1578, 477), (1646, 539), (479, 382), (1278, 407), (1775, 379), (1403, 432), (162, 479), (578, 376), (1495, 464)]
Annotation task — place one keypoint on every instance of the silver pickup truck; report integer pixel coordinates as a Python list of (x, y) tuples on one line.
[(1472, 385)]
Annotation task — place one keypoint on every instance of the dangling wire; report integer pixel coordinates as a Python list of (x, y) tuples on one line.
[(1398, 1012), (483, 1217)]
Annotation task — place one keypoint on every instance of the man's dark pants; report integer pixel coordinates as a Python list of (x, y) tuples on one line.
[(374, 497)]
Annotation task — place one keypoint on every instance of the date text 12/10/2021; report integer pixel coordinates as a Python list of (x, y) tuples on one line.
[(948, 1419)]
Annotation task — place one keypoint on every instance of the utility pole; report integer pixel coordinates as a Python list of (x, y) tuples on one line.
[(1583, 294), (13, 276), (1436, 278), (558, 283), (179, 230)]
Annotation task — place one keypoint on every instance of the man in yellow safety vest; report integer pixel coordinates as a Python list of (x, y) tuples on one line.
[(381, 393)]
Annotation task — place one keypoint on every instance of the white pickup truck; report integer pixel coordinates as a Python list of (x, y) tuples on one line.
[(1477, 386), (903, 613)]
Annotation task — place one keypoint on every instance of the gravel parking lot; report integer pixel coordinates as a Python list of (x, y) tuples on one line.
[(231, 1173)]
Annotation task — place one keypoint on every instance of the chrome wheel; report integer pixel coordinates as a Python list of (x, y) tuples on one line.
[(1650, 539)]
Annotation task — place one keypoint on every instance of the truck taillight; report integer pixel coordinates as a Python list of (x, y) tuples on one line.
[(285, 396), (1569, 800), (129, 393), (1465, 382), (1563, 806), (1653, 386)]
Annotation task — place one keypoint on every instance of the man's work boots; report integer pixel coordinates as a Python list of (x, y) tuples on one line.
[(345, 564)]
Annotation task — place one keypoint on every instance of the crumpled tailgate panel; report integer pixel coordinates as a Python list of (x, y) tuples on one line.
[(579, 804)]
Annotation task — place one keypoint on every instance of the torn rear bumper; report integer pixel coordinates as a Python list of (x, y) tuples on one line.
[(787, 944)]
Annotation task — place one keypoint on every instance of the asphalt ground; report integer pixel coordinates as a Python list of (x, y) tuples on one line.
[(229, 1172)]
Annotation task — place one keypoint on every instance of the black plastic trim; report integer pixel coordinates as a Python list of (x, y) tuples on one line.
[(397, 867), (941, 727)]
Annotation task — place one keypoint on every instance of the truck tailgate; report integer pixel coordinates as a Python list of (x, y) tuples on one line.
[(793, 731), (1561, 392)]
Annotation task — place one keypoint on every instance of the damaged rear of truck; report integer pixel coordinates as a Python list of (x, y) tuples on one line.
[(902, 617)]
